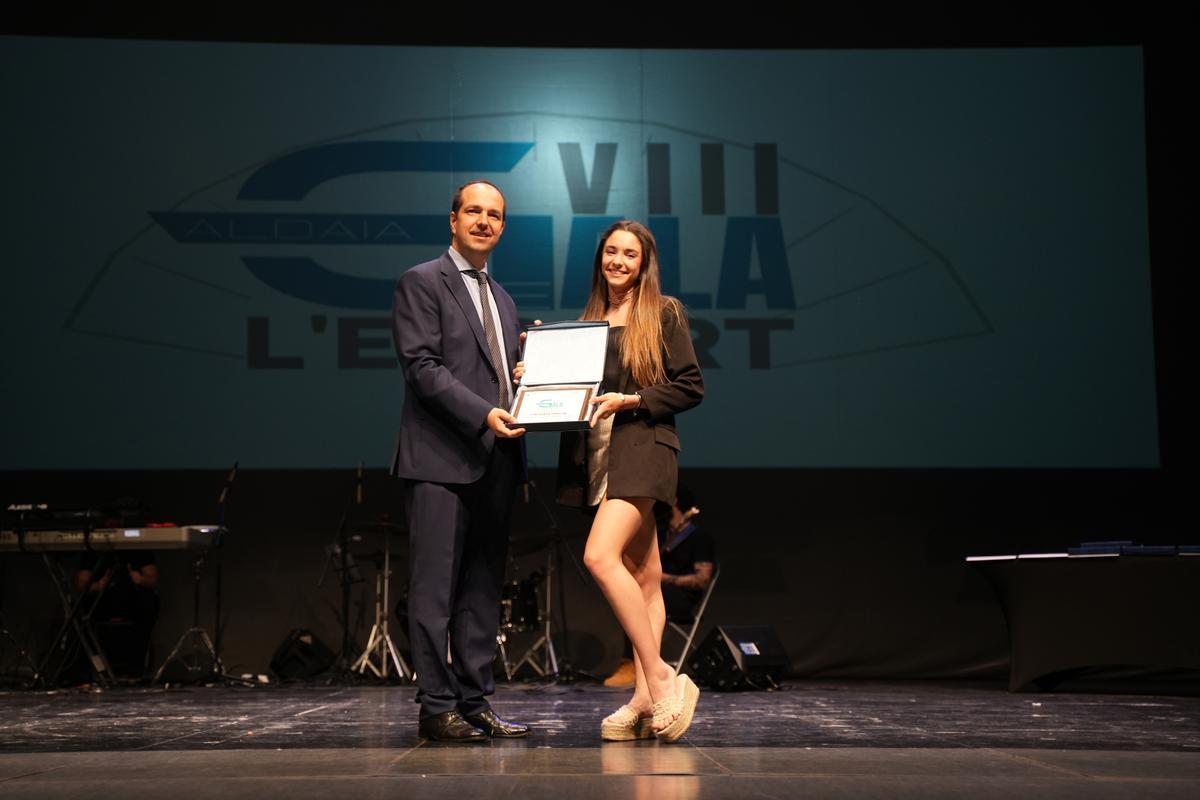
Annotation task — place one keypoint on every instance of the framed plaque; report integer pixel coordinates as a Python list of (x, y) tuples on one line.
[(564, 364)]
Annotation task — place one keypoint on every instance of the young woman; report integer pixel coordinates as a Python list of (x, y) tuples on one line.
[(627, 460)]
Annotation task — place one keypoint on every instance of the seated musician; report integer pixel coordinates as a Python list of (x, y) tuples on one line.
[(688, 555), (128, 607)]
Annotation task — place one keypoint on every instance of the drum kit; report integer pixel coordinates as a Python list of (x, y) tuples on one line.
[(520, 610), (525, 605)]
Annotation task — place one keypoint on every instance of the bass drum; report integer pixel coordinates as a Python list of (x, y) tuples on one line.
[(519, 607)]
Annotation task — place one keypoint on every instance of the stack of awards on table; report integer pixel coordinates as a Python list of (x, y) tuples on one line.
[(564, 364)]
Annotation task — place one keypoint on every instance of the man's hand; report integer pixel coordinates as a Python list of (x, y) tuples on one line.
[(102, 582), (695, 580), (498, 420)]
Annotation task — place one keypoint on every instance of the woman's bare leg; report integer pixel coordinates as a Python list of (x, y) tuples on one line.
[(642, 560), (623, 524)]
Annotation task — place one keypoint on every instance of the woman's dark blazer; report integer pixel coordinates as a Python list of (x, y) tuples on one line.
[(642, 455)]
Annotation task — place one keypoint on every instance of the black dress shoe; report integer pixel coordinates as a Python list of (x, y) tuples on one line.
[(489, 723), (450, 727)]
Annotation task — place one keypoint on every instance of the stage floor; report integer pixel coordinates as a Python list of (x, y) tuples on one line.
[(812, 739)]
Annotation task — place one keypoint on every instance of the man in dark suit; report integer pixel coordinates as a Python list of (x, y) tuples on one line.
[(457, 336)]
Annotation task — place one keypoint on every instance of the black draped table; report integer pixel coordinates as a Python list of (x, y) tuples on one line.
[(1068, 613)]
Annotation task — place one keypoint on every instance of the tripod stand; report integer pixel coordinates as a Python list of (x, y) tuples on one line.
[(21, 659), (543, 646), (200, 660), (381, 654), (195, 652)]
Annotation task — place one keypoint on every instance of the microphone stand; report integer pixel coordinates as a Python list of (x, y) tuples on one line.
[(207, 645)]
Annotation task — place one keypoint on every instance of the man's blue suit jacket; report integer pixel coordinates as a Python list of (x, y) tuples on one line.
[(450, 384)]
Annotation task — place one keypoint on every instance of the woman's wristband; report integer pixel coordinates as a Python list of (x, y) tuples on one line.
[(637, 400)]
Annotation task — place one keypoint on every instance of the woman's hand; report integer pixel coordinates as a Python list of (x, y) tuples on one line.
[(610, 403), (523, 333), (519, 369)]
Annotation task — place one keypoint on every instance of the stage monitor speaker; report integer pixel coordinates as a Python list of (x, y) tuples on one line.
[(301, 655), (733, 658)]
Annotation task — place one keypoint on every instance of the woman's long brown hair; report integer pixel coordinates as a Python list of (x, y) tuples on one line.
[(643, 345)]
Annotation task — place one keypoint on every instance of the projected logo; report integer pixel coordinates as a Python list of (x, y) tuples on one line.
[(291, 262)]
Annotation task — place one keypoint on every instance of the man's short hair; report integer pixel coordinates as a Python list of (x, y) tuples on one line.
[(457, 201)]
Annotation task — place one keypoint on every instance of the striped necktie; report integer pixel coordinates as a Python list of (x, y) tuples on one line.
[(489, 333)]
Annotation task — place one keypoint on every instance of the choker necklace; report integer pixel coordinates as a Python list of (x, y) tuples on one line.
[(621, 299)]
